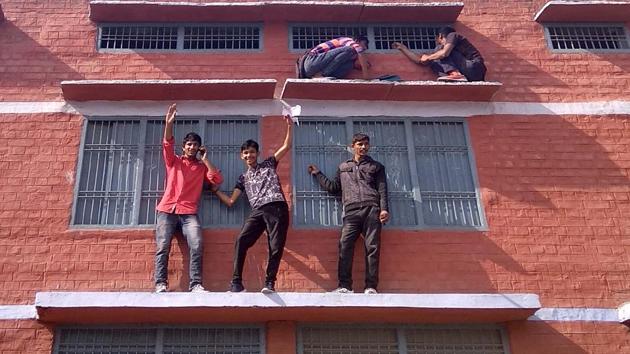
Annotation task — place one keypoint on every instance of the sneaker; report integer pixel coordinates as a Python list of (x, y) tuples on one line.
[(455, 76), (370, 291), (236, 287), (342, 290), (197, 288), (268, 288), (160, 287)]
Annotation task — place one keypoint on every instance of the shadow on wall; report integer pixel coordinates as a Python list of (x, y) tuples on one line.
[(540, 337), (29, 69)]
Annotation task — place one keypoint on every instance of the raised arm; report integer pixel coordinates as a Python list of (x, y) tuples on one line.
[(286, 146), (170, 120), (407, 52), (213, 176), (331, 186), (439, 54)]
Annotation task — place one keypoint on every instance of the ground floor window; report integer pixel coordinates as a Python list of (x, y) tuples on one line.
[(386, 339), (159, 340)]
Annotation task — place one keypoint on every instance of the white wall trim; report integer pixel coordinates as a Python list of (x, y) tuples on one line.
[(315, 108), (576, 315), (18, 312)]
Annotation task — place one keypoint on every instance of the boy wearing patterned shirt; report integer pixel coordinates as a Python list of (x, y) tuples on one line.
[(335, 58), (269, 210)]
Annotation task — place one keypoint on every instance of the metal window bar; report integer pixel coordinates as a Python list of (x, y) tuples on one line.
[(159, 340), (588, 37), (304, 37), (421, 38), (202, 37), (345, 340), (147, 37), (446, 182), (454, 340), (187, 37), (122, 174)]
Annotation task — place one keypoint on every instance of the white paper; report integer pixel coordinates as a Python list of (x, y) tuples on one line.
[(292, 111)]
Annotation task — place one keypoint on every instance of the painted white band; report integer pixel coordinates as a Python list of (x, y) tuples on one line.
[(18, 312), (576, 314), (314, 108)]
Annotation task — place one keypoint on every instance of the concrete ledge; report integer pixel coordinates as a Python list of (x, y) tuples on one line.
[(584, 11), (18, 312), (330, 11), (116, 307), (127, 90), (624, 313), (326, 89)]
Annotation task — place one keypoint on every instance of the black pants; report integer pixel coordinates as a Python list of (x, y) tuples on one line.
[(355, 222), (273, 218), (474, 70)]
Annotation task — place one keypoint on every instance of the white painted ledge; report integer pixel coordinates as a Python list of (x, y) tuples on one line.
[(584, 11), (18, 312), (234, 307), (624, 313), (575, 315)]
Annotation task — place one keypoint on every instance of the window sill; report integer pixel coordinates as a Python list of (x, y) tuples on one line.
[(129, 307), (142, 11), (584, 11), (167, 90), (373, 90)]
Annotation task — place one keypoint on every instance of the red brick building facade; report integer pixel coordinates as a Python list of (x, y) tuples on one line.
[(539, 257)]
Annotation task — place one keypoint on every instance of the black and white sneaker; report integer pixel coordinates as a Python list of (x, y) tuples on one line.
[(269, 288)]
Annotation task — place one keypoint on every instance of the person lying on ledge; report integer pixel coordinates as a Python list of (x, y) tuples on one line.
[(454, 59)]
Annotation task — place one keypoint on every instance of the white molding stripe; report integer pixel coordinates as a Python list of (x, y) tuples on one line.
[(576, 315), (18, 312), (624, 313), (314, 108)]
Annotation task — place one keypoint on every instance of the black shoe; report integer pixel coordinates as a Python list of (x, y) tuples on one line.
[(236, 287), (268, 288)]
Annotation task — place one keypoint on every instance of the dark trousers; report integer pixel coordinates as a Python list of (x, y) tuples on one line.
[(273, 218), (355, 222), (336, 62), (474, 70)]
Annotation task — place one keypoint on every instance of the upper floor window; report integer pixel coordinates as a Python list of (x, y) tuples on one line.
[(183, 37), (416, 37), (590, 37), (429, 169), (121, 172), (149, 340), (340, 339)]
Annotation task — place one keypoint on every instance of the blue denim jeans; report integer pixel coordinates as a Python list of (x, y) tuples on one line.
[(336, 62), (167, 225)]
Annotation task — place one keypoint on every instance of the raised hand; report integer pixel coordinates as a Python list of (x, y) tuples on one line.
[(171, 114), (313, 169)]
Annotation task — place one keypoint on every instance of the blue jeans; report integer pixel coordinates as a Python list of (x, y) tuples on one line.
[(167, 225), (334, 63), (474, 70)]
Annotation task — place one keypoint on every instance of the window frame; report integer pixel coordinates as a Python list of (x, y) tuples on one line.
[(408, 122), (586, 24), (400, 331), (370, 33), (159, 328), (180, 37), (143, 120)]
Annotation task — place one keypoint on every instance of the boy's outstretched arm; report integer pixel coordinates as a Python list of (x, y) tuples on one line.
[(229, 201), (286, 146), (170, 120)]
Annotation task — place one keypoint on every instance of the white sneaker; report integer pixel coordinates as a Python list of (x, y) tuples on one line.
[(197, 288), (342, 290), (160, 288), (370, 291)]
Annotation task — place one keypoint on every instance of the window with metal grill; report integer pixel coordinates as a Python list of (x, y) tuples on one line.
[(187, 37), (605, 37), (429, 169), (381, 37), (121, 174), (159, 340), (341, 339)]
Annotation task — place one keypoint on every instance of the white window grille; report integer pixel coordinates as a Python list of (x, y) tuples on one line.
[(121, 174), (416, 37), (430, 174), (360, 339), (595, 37), (183, 37), (158, 340)]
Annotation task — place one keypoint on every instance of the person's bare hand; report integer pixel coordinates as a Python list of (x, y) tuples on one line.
[(383, 216), (172, 113), (204, 152), (398, 45), (214, 188), (313, 169)]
